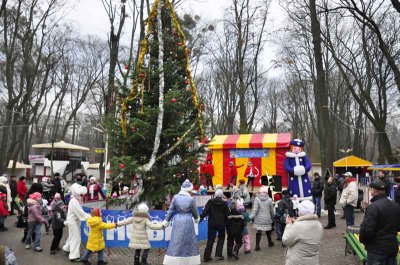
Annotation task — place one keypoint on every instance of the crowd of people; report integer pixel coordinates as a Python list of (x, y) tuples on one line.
[(294, 221)]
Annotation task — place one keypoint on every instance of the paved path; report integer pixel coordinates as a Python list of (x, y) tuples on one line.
[(331, 251)]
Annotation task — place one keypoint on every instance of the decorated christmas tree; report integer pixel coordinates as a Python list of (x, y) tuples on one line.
[(161, 118)]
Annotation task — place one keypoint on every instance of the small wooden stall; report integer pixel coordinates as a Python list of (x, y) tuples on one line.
[(265, 151)]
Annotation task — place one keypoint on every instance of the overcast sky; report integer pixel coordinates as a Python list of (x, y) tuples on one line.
[(89, 17)]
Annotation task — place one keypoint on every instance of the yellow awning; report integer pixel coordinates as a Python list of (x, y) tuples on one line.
[(18, 165), (61, 145), (351, 161)]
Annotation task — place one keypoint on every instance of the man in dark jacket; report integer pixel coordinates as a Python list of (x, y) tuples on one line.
[(217, 211), (378, 231), (58, 186), (14, 193), (316, 191), (386, 181), (330, 194)]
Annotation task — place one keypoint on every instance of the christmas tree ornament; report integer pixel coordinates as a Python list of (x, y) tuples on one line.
[(121, 166), (186, 82), (179, 43), (142, 75), (173, 100), (126, 66)]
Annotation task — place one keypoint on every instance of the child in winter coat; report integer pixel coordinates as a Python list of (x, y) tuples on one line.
[(3, 210), (234, 227), (95, 241), (296, 203), (57, 225), (139, 239), (35, 221), (246, 218)]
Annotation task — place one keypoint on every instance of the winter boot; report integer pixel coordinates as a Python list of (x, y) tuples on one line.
[(137, 257), (144, 258), (258, 239), (270, 242)]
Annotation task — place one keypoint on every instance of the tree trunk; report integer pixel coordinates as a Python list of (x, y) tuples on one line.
[(325, 134)]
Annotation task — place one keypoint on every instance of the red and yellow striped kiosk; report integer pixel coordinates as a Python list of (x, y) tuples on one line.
[(265, 151)]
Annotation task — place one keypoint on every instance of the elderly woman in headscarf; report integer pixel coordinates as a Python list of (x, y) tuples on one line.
[(303, 236)]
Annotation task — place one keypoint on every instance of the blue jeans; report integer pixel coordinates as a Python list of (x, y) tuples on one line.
[(317, 203), (34, 227), (377, 259), (100, 255), (349, 214)]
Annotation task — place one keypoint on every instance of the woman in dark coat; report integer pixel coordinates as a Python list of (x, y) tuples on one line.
[(330, 201)]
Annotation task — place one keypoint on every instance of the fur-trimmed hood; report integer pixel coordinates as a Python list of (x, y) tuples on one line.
[(293, 155), (140, 217), (236, 217)]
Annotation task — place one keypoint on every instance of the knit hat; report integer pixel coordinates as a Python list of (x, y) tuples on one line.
[(187, 186), (264, 189), (277, 197), (240, 205), (35, 196), (95, 212), (57, 196), (218, 187), (143, 208), (59, 203), (377, 184), (92, 179), (3, 179), (306, 207), (125, 188), (348, 174), (219, 193)]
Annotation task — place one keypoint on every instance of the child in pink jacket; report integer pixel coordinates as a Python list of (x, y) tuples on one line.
[(35, 220)]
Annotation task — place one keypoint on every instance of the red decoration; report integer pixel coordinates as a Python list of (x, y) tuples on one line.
[(186, 81), (173, 100), (142, 75), (126, 66), (195, 161), (179, 43), (121, 166), (133, 129)]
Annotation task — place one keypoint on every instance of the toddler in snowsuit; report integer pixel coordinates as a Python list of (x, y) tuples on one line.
[(58, 215), (139, 239), (95, 241), (246, 218), (234, 227), (35, 220)]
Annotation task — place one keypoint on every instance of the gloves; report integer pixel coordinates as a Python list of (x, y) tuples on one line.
[(165, 223)]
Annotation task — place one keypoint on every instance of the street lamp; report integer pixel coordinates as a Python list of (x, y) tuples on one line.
[(103, 131), (346, 152)]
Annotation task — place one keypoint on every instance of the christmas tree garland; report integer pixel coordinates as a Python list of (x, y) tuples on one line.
[(149, 165), (134, 93)]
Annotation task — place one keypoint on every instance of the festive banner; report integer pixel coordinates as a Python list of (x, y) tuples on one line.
[(120, 236)]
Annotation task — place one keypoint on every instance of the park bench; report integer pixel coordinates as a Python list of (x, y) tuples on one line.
[(354, 247)]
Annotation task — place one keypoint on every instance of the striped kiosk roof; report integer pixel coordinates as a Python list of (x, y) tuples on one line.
[(243, 141)]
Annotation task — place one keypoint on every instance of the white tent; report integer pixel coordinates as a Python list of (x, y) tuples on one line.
[(60, 145)]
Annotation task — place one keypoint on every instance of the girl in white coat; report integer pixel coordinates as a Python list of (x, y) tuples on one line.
[(75, 216), (139, 239)]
